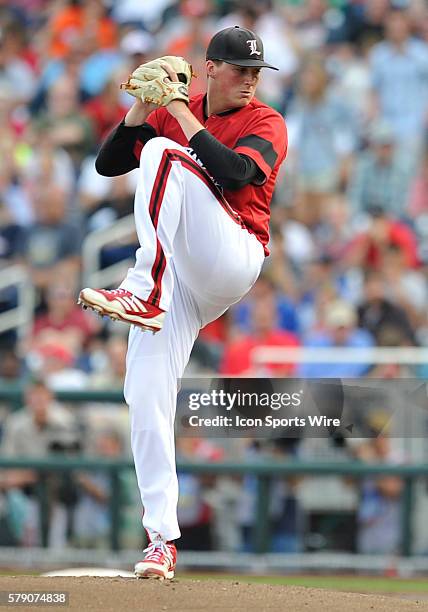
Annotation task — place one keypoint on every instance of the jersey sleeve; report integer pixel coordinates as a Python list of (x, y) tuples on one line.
[(264, 140)]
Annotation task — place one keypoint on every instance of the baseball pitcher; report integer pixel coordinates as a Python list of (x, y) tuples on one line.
[(207, 168)]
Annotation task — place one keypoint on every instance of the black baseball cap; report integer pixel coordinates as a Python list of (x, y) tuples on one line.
[(237, 46)]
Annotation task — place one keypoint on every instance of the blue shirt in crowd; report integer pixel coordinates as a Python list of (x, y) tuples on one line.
[(358, 338)]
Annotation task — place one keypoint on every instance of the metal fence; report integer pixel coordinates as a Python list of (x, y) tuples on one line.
[(265, 472)]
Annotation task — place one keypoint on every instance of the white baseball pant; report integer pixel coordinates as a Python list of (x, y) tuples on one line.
[(195, 261)]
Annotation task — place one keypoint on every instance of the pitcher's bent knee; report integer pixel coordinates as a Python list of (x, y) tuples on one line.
[(156, 146)]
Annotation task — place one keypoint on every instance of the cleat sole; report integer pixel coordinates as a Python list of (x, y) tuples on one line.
[(154, 574)]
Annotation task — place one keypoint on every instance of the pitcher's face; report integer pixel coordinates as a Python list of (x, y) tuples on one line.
[(234, 85)]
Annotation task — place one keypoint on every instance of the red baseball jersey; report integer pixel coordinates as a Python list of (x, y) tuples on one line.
[(255, 130)]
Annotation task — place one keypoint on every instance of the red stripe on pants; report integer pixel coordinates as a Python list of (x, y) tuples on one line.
[(156, 199)]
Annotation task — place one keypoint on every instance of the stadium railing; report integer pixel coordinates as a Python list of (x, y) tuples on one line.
[(372, 355), (264, 471), (92, 246)]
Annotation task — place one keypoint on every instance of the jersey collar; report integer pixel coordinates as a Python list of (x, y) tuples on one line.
[(223, 114)]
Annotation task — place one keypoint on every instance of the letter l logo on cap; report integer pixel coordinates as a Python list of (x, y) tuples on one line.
[(253, 47)]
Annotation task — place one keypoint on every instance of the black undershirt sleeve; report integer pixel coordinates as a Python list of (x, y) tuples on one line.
[(231, 170), (116, 155)]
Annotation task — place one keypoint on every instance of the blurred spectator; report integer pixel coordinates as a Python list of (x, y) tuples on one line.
[(297, 243), (137, 45), (322, 136), (47, 162), (42, 420), (50, 247), (280, 271), (380, 178), (42, 427), (109, 364), (85, 63), (323, 282), (103, 199), (12, 120), (77, 18), (379, 512), (406, 287), (54, 361), (399, 68), (284, 513), (10, 14), (15, 205), (144, 14), (340, 331), (63, 320), (238, 354), (68, 128), (15, 73), (310, 20), (194, 511), (335, 230), (377, 313), (59, 337), (11, 369), (97, 67), (368, 248), (286, 314), (92, 516), (17, 39), (420, 19), (106, 109), (350, 73), (70, 66), (282, 46), (208, 348), (395, 336), (363, 22), (372, 27)]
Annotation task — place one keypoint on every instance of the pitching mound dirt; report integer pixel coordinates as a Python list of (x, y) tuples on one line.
[(128, 594)]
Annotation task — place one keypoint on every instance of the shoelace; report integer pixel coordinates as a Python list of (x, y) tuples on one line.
[(118, 291), (155, 550), (123, 292)]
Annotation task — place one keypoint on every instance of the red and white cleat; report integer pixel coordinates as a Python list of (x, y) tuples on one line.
[(122, 305), (159, 561)]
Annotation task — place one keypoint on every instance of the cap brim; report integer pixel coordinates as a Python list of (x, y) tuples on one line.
[(251, 63)]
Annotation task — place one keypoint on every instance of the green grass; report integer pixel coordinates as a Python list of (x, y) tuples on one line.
[(361, 584)]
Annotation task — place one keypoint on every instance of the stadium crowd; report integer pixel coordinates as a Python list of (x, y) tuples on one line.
[(349, 233)]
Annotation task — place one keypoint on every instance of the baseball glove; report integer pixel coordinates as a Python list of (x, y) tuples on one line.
[(151, 83)]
